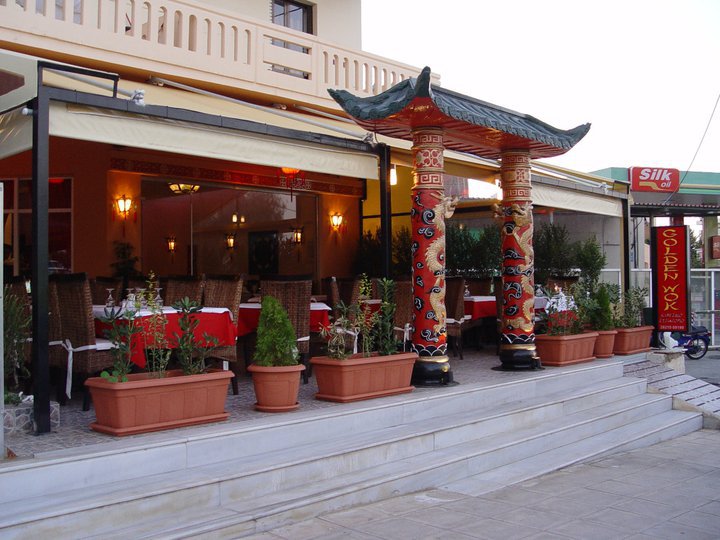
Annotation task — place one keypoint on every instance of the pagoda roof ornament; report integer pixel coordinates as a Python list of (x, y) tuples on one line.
[(470, 125)]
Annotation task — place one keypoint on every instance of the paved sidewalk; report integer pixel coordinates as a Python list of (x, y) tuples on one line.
[(667, 491)]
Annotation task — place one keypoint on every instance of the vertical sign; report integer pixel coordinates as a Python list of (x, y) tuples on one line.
[(671, 278)]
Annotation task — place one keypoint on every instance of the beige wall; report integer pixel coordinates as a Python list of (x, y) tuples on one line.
[(337, 21)]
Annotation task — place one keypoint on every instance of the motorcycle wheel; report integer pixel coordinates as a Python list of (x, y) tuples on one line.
[(696, 348)]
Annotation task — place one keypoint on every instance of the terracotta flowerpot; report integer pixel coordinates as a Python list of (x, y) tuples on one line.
[(633, 340), (276, 388), (565, 349), (604, 343), (357, 378), (145, 403)]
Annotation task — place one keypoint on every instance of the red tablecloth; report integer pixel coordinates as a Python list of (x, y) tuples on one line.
[(217, 324), (249, 315), (480, 306)]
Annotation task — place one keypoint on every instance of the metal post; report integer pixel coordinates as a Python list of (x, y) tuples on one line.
[(385, 209), (39, 263)]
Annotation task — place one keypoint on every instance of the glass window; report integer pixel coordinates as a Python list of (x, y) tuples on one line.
[(293, 15), (59, 189)]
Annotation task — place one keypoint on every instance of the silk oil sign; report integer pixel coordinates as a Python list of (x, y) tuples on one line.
[(654, 179), (671, 278)]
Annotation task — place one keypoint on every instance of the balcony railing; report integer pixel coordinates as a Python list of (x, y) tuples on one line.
[(182, 39)]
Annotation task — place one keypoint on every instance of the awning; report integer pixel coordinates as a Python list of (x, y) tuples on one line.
[(575, 200), (15, 133), (112, 127)]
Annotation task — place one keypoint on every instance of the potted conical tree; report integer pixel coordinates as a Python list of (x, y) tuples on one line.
[(275, 368)]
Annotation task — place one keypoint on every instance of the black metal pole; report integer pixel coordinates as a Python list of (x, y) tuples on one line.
[(385, 209), (39, 262), (626, 216)]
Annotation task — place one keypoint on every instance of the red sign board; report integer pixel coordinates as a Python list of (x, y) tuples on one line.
[(654, 179), (671, 277)]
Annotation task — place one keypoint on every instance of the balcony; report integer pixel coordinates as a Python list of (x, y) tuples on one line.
[(207, 47)]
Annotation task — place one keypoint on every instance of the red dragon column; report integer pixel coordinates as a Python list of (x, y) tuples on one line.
[(429, 210), (517, 345)]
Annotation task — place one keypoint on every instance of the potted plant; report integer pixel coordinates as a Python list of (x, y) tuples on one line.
[(275, 368), (560, 339), (632, 337), (600, 318), (344, 377), (128, 403)]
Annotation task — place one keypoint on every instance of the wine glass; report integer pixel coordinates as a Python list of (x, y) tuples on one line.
[(110, 302)]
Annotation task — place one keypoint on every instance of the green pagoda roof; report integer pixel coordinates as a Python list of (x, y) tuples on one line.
[(470, 125)]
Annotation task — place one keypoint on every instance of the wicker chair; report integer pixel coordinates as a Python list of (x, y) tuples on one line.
[(403, 310), (455, 307), (225, 291), (178, 287), (295, 298), (331, 289), (99, 289), (90, 355)]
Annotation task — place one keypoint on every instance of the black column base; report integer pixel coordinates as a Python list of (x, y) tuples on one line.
[(516, 359), (432, 373)]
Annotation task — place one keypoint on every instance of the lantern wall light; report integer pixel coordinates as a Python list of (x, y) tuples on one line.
[(297, 235), (123, 205), (230, 241), (170, 241), (336, 220)]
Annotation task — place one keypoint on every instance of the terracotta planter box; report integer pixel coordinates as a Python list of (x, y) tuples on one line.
[(633, 340), (145, 403), (565, 350), (605, 343), (357, 378), (276, 388)]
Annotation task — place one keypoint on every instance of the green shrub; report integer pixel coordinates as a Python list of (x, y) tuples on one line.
[(276, 340)]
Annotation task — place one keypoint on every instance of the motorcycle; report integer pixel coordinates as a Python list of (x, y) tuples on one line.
[(695, 342)]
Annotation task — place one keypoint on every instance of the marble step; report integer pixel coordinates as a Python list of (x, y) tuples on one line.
[(242, 518), (213, 486), (129, 459)]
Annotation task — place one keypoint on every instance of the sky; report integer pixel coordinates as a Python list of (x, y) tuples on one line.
[(644, 73)]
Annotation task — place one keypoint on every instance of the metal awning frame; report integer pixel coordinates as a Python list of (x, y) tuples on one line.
[(39, 108)]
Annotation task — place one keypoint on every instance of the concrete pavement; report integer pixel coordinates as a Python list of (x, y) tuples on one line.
[(667, 491), (707, 368)]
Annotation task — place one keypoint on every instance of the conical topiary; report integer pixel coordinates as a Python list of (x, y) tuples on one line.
[(276, 341)]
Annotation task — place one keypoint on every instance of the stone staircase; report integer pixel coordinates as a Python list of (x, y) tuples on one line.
[(229, 481)]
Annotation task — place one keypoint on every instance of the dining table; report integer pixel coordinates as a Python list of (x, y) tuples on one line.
[(478, 307), (249, 315), (215, 321)]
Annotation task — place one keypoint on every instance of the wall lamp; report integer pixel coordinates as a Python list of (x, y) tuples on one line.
[(336, 220), (170, 241), (230, 241), (297, 235), (124, 205), (237, 219)]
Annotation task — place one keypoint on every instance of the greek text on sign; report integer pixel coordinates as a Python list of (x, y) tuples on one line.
[(654, 179)]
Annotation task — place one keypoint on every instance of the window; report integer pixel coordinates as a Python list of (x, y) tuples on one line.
[(293, 15), (298, 17), (18, 225)]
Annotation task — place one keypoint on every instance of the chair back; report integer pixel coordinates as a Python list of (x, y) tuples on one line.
[(74, 304), (99, 289), (455, 298), (178, 287), (295, 298), (403, 303), (223, 291), (331, 289), (16, 286)]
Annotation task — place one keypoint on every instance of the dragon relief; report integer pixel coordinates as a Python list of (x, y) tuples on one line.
[(435, 257), (519, 227)]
